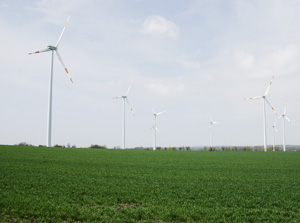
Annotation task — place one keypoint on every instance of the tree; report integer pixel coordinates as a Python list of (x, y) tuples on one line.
[(98, 146), (247, 148), (24, 144)]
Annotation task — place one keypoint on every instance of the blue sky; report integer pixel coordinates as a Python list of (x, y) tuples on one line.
[(191, 58)]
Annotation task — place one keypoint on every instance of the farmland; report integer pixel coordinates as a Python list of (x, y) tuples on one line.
[(82, 185)]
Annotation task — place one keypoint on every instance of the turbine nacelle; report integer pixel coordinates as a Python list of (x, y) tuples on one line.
[(52, 47)]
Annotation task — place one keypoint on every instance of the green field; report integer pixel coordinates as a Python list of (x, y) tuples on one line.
[(88, 185)]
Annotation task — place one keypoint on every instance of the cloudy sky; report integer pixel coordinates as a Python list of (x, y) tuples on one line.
[(191, 58)]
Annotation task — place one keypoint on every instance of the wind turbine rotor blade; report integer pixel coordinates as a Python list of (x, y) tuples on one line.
[(62, 32), (131, 109), (116, 97), (257, 97), (63, 64), (129, 88), (40, 51), (267, 91), (288, 120), (284, 111), (159, 113), (156, 129), (271, 106), (152, 109)]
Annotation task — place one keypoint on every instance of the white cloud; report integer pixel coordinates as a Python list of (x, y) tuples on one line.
[(158, 25), (167, 90), (286, 59), (189, 64), (244, 60)]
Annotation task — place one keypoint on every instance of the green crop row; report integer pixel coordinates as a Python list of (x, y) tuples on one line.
[(88, 185)]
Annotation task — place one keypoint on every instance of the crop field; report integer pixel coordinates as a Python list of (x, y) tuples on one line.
[(88, 185)]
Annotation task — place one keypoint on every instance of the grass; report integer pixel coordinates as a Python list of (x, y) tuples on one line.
[(88, 185)]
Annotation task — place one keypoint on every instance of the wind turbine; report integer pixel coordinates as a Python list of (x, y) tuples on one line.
[(264, 97), (155, 129), (211, 123), (283, 116), (125, 98), (52, 49), (274, 131)]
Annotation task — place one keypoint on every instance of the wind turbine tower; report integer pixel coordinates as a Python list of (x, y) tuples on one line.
[(211, 123), (125, 100), (283, 116), (274, 132), (52, 49), (264, 97), (155, 129)]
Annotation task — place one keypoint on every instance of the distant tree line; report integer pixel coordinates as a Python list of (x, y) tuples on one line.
[(181, 148)]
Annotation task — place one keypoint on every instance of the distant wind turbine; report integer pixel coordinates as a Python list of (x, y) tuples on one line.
[(155, 129), (274, 132), (125, 98), (52, 49), (211, 123), (264, 97), (283, 116)]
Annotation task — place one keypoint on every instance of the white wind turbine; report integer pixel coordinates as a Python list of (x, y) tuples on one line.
[(155, 129), (283, 116), (52, 49), (264, 97), (125, 98), (274, 132), (211, 123)]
